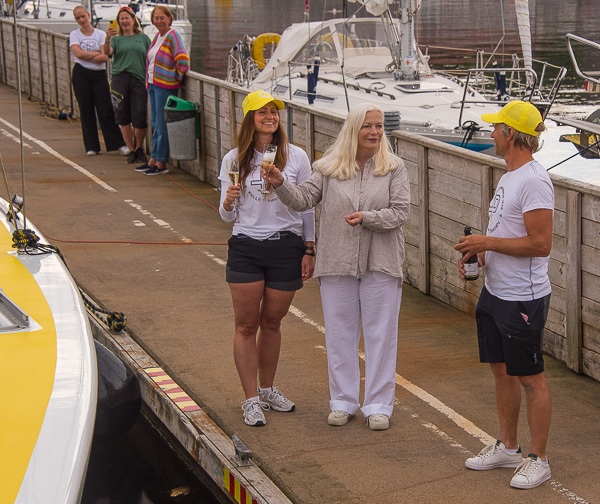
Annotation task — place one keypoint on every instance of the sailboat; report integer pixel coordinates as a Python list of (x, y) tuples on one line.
[(337, 63)]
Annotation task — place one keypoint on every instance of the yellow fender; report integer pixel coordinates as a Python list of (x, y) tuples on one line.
[(259, 44)]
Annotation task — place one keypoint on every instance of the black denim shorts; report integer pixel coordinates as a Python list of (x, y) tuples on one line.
[(276, 260), (512, 332), (129, 99)]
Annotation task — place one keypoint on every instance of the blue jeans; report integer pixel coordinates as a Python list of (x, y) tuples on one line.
[(160, 140)]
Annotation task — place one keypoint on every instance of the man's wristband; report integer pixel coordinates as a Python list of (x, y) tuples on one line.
[(309, 250)]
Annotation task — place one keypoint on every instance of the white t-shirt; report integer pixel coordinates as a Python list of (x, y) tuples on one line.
[(520, 191), (152, 52), (89, 43), (260, 216)]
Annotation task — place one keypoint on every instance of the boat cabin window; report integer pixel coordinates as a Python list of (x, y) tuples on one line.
[(322, 47), (359, 39)]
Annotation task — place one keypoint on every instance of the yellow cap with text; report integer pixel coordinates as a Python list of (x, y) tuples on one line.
[(258, 99)]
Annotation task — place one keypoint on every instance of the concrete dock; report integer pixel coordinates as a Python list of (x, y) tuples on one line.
[(155, 248)]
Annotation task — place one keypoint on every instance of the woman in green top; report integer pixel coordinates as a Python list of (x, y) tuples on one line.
[(128, 46)]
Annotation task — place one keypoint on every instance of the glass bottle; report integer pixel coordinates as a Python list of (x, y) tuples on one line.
[(471, 264)]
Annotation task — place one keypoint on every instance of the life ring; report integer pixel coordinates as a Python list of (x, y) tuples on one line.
[(259, 44)]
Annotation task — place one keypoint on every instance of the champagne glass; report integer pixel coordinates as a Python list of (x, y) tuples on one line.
[(269, 152), (233, 170)]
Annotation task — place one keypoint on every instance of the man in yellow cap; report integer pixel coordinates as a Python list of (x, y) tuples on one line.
[(513, 305)]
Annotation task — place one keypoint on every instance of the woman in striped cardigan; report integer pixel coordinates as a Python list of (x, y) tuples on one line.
[(167, 63)]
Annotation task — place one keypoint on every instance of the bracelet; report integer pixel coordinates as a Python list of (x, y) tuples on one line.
[(309, 247), (310, 253)]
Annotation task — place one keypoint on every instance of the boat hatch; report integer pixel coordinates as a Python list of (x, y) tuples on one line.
[(418, 87), (12, 318), (304, 94), (279, 89)]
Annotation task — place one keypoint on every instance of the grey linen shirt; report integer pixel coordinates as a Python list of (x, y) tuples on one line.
[(375, 245)]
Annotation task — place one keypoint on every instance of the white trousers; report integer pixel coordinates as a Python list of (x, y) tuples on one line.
[(376, 300)]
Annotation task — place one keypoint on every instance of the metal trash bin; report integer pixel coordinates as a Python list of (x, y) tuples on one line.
[(181, 117)]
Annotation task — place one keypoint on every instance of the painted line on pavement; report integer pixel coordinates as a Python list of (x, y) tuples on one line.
[(57, 155)]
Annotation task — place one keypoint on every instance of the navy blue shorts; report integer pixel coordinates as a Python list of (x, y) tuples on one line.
[(512, 332), (277, 260)]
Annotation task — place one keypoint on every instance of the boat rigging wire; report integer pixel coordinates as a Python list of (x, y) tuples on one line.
[(18, 76), (574, 155)]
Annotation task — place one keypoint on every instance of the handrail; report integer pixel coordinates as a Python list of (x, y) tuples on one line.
[(534, 95), (587, 42)]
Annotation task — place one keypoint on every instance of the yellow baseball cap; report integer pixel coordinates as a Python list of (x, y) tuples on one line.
[(520, 115), (258, 99)]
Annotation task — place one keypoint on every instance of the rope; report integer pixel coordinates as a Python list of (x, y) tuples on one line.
[(28, 242), (54, 113)]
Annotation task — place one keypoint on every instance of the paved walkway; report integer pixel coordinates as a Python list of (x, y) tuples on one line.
[(154, 248)]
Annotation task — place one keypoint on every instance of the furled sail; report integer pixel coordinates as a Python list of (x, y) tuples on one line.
[(522, 9)]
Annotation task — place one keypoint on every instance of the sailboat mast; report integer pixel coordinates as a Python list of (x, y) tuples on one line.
[(408, 56)]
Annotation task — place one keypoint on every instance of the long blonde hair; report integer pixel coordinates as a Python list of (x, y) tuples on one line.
[(339, 161)]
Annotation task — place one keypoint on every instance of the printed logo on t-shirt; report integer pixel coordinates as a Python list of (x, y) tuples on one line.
[(495, 211), (90, 45), (256, 185)]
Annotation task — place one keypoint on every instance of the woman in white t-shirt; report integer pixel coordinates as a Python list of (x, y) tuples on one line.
[(271, 251), (90, 85)]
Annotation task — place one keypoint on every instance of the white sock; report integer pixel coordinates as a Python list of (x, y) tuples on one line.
[(268, 389)]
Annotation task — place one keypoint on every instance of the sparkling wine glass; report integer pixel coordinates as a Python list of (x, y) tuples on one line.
[(233, 170), (269, 152)]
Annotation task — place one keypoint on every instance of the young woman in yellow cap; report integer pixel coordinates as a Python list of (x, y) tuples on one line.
[(271, 251)]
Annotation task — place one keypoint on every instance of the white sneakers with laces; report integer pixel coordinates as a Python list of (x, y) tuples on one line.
[(531, 473), (493, 456), (270, 398), (275, 399), (253, 414)]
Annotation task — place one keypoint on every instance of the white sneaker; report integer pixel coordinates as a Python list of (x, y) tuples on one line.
[(378, 421), (124, 150), (531, 473), (338, 418), (494, 456), (276, 400), (253, 414), (92, 153)]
